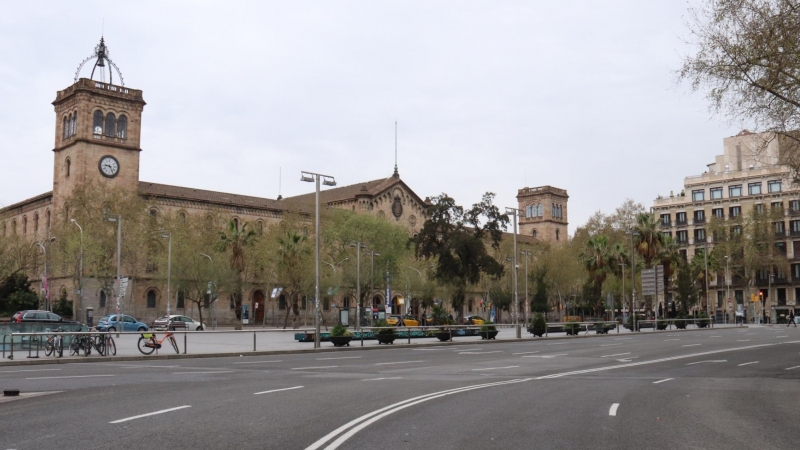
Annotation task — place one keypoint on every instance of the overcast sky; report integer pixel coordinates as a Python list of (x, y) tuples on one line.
[(489, 95)]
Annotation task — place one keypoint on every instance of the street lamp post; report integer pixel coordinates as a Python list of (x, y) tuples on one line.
[(372, 254), (44, 279), (623, 286), (769, 292), (327, 180), (728, 286), (633, 233), (210, 300), (514, 212), (358, 245), (80, 276), (527, 254), (168, 235), (705, 260), (118, 219)]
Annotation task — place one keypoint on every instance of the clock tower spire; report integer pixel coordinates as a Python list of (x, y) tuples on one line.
[(97, 132)]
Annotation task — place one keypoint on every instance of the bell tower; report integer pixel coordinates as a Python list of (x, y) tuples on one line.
[(97, 132), (545, 213)]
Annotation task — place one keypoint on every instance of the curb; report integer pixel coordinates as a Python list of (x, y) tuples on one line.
[(39, 362)]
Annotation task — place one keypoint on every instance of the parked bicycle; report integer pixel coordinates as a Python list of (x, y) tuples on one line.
[(54, 344), (148, 343), (80, 342), (103, 342)]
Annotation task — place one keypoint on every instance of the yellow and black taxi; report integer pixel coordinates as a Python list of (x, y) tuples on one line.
[(474, 320), (404, 321)]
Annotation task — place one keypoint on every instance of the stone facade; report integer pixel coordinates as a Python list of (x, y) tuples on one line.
[(544, 213)]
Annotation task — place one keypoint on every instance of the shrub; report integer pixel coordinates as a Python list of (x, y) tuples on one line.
[(572, 327), (386, 330), (662, 324), (339, 330), (680, 323), (703, 320), (538, 321), (63, 307), (488, 326)]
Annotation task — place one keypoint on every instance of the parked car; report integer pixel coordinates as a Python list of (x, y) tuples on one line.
[(474, 320), (32, 315), (407, 321), (164, 322), (110, 323)]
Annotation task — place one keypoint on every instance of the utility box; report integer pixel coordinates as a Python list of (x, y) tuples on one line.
[(89, 316)]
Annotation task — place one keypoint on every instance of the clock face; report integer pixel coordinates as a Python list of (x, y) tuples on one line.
[(109, 166)]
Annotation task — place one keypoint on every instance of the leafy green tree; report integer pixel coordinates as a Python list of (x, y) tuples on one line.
[(539, 304), (455, 239), (233, 241), (16, 294)]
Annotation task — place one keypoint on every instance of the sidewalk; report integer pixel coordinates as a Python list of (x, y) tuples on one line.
[(271, 341)]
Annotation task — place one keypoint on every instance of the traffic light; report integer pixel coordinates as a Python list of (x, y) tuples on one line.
[(761, 295)]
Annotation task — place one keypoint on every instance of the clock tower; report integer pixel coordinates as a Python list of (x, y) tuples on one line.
[(98, 126)]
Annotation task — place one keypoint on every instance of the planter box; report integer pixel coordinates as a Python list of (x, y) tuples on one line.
[(572, 331), (340, 341), (443, 336), (536, 331), (488, 334), (385, 338)]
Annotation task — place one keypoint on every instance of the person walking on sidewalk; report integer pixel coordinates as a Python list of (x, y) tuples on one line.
[(791, 319)]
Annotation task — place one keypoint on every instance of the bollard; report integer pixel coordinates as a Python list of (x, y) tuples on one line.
[(254, 341), (409, 335), (184, 343), (519, 331), (361, 334)]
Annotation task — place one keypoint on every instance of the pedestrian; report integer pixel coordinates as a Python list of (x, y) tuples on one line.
[(791, 319)]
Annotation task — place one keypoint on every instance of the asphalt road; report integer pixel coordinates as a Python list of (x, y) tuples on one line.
[(715, 389)]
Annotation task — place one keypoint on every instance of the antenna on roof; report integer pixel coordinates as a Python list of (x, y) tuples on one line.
[(396, 174), (280, 197)]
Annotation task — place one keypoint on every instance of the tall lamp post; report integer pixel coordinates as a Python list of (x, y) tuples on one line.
[(45, 280), (118, 219), (168, 235), (327, 180), (705, 261), (514, 212), (728, 286), (623, 287), (210, 300), (358, 245), (633, 233), (80, 276), (527, 254)]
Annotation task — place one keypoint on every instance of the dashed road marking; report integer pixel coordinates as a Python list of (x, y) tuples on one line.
[(691, 345), (525, 353), (748, 363), (27, 370), (497, 368), (613, 410), (662, 381), (151, 414), (385, 378), (609, 345), (616, 354), (708, 361), (397, 362), (340, 357), (208, 372), (278, 390), (743, 340), (259, 362), (479, 353), (316, 367), (795, 367), (69, 376)]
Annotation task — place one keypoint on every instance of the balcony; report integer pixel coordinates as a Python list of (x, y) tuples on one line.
[(794, 233), (699, 240), (698, 221), (682, 242), (680, 223), (663, 224), (794, 212)]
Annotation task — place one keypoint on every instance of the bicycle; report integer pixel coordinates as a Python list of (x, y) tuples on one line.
[(54, 344), (101, 341), (148, 343), (80, 342)]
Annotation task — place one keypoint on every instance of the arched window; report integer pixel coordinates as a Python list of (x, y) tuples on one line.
[(111, 122), (65, 128), (74, 126), (24, 225), (67, 165), (103, 299), (35, 223), (97, 123), (182, 217), (469, 305), (122, 127), (153, 216), (346, 303), (326, 304), (282, 302), (534, 233), (14, 227), (557, 233), (47, 221), (181, 299), (151, 299), (236, 222), (539, 210), (260, 228)]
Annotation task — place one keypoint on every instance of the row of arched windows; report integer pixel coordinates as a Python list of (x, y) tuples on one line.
[(534, 211), (69, 125), (110, 125), (25, 224), (557, 211)]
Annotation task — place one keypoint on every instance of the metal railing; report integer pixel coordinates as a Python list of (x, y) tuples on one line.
[(669, 323)]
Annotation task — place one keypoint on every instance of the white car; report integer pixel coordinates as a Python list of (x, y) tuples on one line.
[(181, 321)]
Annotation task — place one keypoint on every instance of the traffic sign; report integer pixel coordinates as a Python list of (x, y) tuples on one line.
[(653, 280)]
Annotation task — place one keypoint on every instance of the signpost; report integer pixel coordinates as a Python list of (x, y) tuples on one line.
[(652, 283)]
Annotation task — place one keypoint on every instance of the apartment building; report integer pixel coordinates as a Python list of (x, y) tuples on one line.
[(747, 175)]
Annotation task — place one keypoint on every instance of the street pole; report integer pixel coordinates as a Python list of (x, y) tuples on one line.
[(44, 276), (728, 288), (168, 235), (373, 254), (705, 258), (329, 181), (527, 254), (633, 233), (118, 219), (210, 300), (623, 286), (769, 292), (358, 245), (513, 212), (80, 276)]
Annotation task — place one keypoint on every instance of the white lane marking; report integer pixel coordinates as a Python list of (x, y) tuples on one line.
[(370, 418), (278, 390), (317, 367), (748, 363), (497, 368), (707, 361), (397, 362), (795, 367), (151, 414), (479, 353), (259, 362), (386, 378), (613, 410), (27, 370), (362, 422), (210, 371), (747, 334), (743, 340), (691, 345), (69, 376), (662, 381), (149, 367), (546, 356), (525, 353), (340, 357), (609, 345), (616, 354), (714, 336), (622, 339), (628, 359), (782, 336)]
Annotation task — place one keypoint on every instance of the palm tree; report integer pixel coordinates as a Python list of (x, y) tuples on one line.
[(649, 239), (599, 261), (670, 257), (236, 239), (293, 251)]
